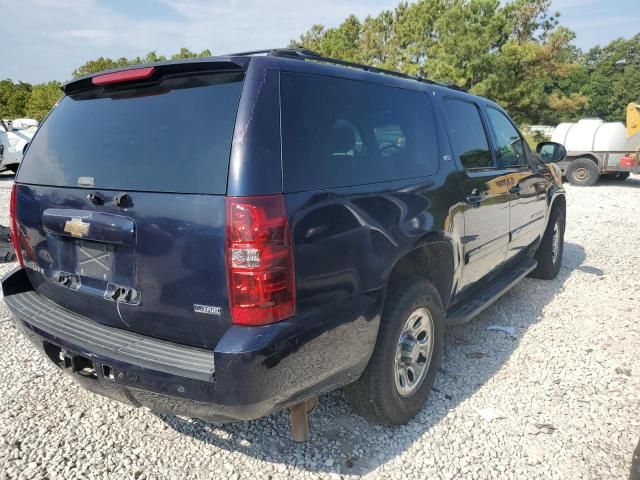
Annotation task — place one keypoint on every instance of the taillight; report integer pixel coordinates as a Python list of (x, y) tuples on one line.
[(259, 260), (626, 161), (15, 238)]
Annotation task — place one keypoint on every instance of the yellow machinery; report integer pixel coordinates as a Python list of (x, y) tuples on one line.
[(633, 118)]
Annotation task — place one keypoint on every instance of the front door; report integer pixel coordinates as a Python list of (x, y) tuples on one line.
[(527, 186), (486, 192)]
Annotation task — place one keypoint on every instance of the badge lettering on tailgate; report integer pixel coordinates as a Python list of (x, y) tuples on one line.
[(208, 309)]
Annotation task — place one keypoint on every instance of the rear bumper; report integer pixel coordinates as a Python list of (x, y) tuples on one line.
[(252, 372)]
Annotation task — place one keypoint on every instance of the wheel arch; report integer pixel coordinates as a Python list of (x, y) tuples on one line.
[(587, 155), (432, 260), (558, 200)]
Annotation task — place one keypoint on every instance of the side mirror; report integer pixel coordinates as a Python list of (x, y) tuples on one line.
[(551, 152)]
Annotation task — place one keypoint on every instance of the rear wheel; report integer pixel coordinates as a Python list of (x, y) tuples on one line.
[(551, 248), (583, 172), (404, 364), (13, 168)]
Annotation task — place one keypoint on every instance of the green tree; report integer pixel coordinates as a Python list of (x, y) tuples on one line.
[(525, 78), (13, 98), (98, 65), (104, 63), (471, 36), (515, 53), (610, 78), (43, 97), (186, 53), (313, 39)]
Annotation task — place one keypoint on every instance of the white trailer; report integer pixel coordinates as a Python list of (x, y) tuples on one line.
[(597, 149)]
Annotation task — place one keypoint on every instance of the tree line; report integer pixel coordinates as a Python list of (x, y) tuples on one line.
[(21, 99), (515, 53)]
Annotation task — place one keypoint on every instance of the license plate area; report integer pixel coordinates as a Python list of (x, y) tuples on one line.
[(90, 267), (95, 260)]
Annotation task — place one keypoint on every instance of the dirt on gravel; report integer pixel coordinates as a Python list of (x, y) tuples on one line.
[(554, 395)]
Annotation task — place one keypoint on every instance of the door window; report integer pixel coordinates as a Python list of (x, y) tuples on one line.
[(468, 137), (338, 132), (510, 146)]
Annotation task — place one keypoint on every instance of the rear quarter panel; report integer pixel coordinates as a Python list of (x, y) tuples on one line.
[(348, 240)]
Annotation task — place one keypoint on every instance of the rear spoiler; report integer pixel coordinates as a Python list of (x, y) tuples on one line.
[(152, 71)]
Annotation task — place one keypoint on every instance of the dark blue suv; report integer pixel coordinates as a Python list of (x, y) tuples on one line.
[(230, 236)]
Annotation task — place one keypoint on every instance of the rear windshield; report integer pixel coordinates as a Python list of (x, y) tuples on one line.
[(172, 137), (338, 132)]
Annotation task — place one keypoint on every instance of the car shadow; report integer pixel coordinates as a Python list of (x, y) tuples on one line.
[(631, 182), (345, 443)]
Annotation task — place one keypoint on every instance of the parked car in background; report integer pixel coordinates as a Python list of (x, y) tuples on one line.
[(321, 226), (15, 135)]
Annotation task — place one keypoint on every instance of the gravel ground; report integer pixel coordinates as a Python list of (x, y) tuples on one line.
[(558, 399)]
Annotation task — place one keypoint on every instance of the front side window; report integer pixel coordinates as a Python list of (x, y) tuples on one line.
[(510, 147), (338, 132), (468, 137)]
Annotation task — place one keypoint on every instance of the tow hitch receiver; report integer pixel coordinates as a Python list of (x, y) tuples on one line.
[(77, 364), (70, 361)]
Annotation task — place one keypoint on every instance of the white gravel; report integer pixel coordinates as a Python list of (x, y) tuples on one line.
[(560, 399)]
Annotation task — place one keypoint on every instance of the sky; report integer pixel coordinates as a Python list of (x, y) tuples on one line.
[(47, 39)]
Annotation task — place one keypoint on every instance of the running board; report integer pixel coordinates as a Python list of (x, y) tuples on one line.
[(464, 312)]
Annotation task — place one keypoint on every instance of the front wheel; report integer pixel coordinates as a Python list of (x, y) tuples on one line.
[(404, 364), (551, 248)]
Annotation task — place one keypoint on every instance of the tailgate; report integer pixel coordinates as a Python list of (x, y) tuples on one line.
[(121, 205)]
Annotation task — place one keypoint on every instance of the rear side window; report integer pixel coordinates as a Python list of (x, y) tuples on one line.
[(338, 132), (172, 137), (468, 137)]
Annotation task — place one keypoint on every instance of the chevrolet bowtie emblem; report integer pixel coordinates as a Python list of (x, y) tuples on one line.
[(76, 227)]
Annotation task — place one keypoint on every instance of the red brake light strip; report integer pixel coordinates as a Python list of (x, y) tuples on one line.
[(123, 76)]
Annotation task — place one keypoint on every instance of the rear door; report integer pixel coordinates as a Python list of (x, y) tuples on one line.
[(121, 204), (527, 187), (486, 209)]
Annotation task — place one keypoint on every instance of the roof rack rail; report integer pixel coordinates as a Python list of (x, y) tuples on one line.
[(306, 54), (249, 53)]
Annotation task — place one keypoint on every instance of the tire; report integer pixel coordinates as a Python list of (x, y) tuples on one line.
[(13, 168), (376, 395), (549, 263), (583, 172)]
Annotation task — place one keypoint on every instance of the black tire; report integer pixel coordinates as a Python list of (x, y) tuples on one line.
[(375, 395), (13, 168), (548, 264), (635, 464), (583, 172)]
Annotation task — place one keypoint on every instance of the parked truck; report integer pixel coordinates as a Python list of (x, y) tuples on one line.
[(598, 149)]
